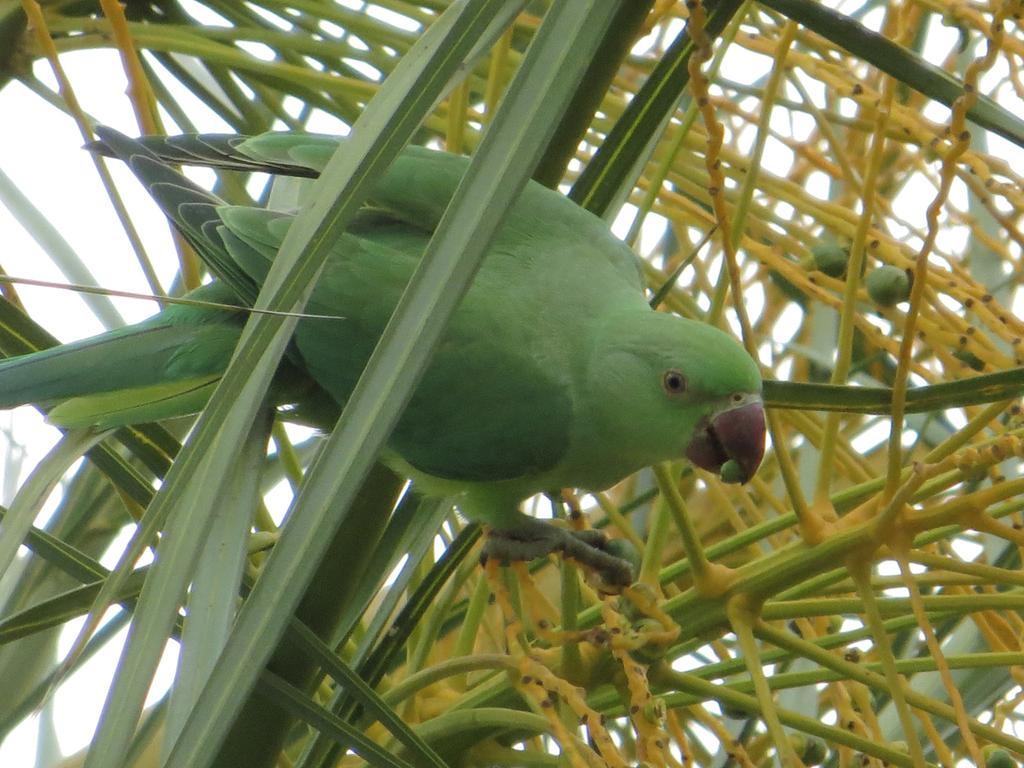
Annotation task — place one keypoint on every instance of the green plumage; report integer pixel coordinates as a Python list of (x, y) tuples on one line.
[(553, 372)]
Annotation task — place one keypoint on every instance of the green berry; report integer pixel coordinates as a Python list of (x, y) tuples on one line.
[(732, 472), (813, 751), (888, 285), (997, 758), (830, 258)]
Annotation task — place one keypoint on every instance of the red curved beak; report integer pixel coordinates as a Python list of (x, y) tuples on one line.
[(737, 434)]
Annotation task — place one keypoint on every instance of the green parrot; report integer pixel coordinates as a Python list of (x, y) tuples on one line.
[(554, 371)]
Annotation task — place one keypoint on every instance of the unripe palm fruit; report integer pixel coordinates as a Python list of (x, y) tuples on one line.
[(830, 258), (888, 285)]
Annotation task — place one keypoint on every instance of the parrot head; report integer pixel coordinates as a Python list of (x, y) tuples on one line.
[(687, 390)]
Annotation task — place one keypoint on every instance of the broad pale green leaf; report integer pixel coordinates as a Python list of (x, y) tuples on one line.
[(214, 593), (378, 135)]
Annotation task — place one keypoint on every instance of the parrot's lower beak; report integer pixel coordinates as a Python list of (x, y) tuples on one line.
[(735, 435)]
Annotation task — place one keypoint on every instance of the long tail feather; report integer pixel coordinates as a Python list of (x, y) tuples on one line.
[(182, 342), (138, 356)]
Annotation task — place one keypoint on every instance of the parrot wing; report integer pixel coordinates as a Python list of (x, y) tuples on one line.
[(189, 206), (485, 410), (415, 190)]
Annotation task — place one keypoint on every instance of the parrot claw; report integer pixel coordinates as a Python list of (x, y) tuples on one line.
[(536, 538)]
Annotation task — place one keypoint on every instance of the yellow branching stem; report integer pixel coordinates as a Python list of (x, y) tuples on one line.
[(860, 570), (900, 550), (645, 711), (716, 186), (618, 520), (709, 578), (458, 103), (497, 73), (960, 139), (844, 346), (653, 550), (742, 618), (140, 92), (811, 524), (542, 689)]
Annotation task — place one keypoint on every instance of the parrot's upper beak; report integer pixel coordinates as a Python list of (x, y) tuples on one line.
[(736, 434)]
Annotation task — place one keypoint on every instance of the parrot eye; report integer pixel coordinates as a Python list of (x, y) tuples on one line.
[(673, 382)]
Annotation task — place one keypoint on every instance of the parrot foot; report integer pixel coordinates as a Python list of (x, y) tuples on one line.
[(533, 538)]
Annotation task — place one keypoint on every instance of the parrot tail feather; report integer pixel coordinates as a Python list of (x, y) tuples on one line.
[(126, 364)]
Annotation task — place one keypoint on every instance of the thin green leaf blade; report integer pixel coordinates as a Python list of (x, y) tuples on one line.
[(214, 594), (613, 166), (976, 390), (17, 522)]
